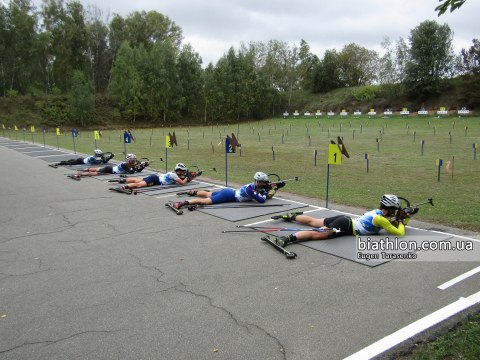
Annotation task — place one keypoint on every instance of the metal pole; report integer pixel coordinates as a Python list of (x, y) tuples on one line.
[(328, 176)]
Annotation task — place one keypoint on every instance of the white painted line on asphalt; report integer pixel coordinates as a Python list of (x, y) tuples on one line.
[(415, 328), (459, 278)]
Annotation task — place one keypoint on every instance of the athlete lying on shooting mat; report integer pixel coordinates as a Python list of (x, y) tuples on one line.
[(258, 190), (98, 158), (128, 167), (369, 223), (179, 175)]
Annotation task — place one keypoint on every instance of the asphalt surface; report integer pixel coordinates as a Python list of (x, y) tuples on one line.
[(86, 273)]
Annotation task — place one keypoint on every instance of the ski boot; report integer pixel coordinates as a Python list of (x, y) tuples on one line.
[(282, 241), (75, 177), (53, 165), (288, 217), (180, 204)]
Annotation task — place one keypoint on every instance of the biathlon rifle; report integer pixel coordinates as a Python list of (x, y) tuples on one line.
[(198, 172), (409, 209), (109, 155), (279, 183)]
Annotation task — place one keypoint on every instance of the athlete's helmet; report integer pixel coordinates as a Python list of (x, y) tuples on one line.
[(260, 176), (131, 158), (98, 152), (390, 201), (180, 167)]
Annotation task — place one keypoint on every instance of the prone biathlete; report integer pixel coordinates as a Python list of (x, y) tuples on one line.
[(97, 158), (177, 176), (370, 223), (253, 191), (128, 167)]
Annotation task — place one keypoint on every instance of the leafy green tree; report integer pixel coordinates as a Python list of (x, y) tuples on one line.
[(148, 28), (452, 4), (308, 61), (470, 66), (82, 99), (97, 48), (162, 81), (67, 28), (431, 59), (326, 75), (189, 70), (3, 52), (358, 65), (128, 87), (289, 61), (19, 35)]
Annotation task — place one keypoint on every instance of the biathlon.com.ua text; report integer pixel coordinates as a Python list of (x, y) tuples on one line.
[(392, 245)]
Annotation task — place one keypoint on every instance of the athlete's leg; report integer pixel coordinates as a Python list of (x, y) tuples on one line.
[(206, 201), (136, 184), (203, 193), (304, 219), (133, 180)]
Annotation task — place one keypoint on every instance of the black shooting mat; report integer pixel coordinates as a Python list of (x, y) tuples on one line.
[(346, 246), (250, 209), (32, 149), (46, 152), (19, 146), (58, 158), (165, 189), (142, 174)]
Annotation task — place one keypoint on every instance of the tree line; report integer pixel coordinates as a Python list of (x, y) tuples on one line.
[(140, 62)]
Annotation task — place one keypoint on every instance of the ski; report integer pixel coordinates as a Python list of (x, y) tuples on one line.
[(170, 205), (288, 254), (122, 191)]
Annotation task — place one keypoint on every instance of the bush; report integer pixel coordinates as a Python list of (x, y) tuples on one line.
[(369, 92), (56, 91), (12, 93)]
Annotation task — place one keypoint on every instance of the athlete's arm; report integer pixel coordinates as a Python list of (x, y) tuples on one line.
[(394, 229), (255, 195), (127, 169)]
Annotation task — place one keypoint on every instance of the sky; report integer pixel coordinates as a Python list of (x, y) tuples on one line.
[(213, 26)]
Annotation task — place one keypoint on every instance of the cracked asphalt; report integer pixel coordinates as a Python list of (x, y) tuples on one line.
[(90, 274)]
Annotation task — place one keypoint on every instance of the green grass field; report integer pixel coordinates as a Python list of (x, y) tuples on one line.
[(398, 166)]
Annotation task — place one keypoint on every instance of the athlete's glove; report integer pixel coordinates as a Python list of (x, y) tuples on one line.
[(267, 188), (145, 164), (192, 175), (271, 193), (415, 210), (138, 167), (199, 173)]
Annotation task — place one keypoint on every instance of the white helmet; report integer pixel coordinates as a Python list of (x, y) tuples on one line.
[(260, 176), (98, 152), (180, 167), (389, 201), (131, 158)]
